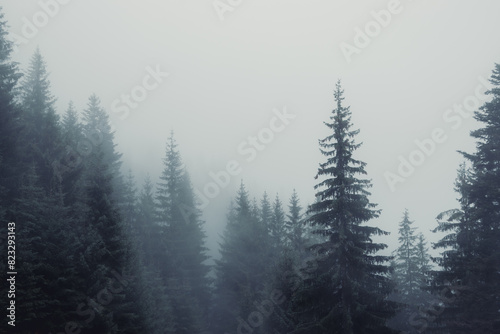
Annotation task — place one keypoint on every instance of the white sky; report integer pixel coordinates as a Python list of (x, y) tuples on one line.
[(227, 76)]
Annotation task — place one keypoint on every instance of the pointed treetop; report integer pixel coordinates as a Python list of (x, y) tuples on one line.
[(70, 117), (36, 94), (242, 201)]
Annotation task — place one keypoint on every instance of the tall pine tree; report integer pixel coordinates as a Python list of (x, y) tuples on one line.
[(411, 273), (10, 150), (471, 258), (347, 291), (294, 225), (10, 123), (406, 260), (43, 143), (184, 269), (242, 271), (484, 201)]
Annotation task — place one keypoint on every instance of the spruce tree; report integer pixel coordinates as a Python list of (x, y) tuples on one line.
[(109, 248), (294, 225), (43, 144), (98, 135), (149, 231), (10, 125), (411, 273), (242, 271), (406, 260), (454, 259), (38, 230), (10, 149), (184, 269), (484, 199), (287, 277), (277, 228), (128, 207), (102, 247), (152, 299), (348, 288), (266, 212), (471, 258), (423, 261), (69, 169)]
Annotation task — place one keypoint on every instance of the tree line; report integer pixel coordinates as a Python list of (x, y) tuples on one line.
[(98, 253)]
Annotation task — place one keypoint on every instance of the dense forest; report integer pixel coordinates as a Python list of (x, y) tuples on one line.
[(92, 250)]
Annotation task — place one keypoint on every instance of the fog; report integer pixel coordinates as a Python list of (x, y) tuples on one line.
[(219, 73)]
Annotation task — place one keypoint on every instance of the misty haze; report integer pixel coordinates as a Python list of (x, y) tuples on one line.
[(249, 167)]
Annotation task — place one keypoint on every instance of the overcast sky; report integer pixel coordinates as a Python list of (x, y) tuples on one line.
[(217, 72)]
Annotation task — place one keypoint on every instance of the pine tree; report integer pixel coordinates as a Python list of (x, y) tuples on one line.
[(69, 169), (10, 125), (266, 212), (277, 228), (287, 277), (484, 199), (226, 292), (149, 231), (128, 207), (294, 225), (153, 304), (423, 261), (406, 260), (10, 150), (264, 217), (103, 246), (44, 141), (184, 270), (35, 215), (411, 272), (97, 133), (471, 259), (242, 271), (347, 290), (454, 259), (109, 248)]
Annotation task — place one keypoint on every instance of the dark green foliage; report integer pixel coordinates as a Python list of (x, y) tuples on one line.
[(347, 290), (148, 231), (10, 125), (69, 169), (277, 228), (105, 247), (295, 226), (471, 257), (484, 202), (36, 216), (43, 141), (97, 133), (153, 302), (287, 276), (243, 270), (94, 253), (411, 263), (411, 275), (183, 265)]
